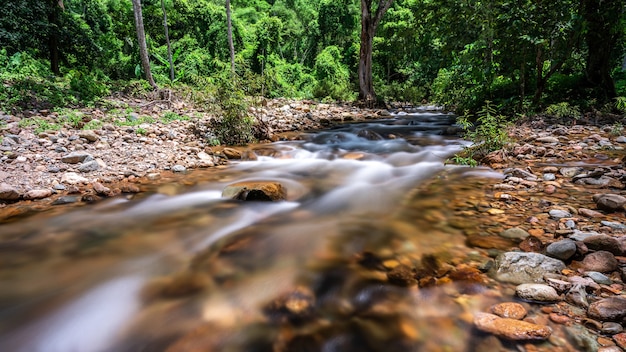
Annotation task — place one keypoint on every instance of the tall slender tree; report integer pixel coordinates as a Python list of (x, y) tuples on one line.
[(231, 46), (143, 47), (53, 34), (167, 41), (370, 19)]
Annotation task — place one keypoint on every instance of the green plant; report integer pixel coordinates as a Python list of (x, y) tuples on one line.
[(92, 125), (172, 116), (26, 122), (620, 104), (45, 125), (487, 134), (73, 118), (617, 129), (235, 127), (141, 131), (564, 110)]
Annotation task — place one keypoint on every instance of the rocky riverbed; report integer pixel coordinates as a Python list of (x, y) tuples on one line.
[(550, 232), (101, 152)]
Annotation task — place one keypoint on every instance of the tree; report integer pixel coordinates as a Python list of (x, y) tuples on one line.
[(167, 41), (231, 46), (603, 29), (143, 47), (53, 34), (370, 19)]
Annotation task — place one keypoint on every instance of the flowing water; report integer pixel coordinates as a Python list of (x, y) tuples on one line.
[(180, 268)]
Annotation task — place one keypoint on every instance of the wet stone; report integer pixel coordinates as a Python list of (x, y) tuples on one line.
[(8, 193), (620, 340), (510, 310), (612, 328), (515, 233), (599, 277), (608, 309), (519, 268), (402, 275), (609, 202), (603, 243), (179, 168), (510, 329), (66, 200), (571, 171), (537, 293), (37, 194), (562, 250), (590, 213), (531, 244), (559, 214), (614, 225), (601, 261), (255, 191)]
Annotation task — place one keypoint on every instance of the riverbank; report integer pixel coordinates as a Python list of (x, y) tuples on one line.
[(100, 152)]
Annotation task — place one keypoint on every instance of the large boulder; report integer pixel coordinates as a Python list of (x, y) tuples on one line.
[(519, 268), (256, 191)]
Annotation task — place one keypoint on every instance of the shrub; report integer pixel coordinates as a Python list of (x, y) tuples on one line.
[(563, 110), (333, 77)]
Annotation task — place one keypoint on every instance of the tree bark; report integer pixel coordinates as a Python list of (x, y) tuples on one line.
[(603, 19), (231, 46), (369, 23), (167, 41), (143, 47), (53, 35)]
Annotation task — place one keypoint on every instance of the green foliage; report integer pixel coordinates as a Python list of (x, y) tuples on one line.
[(488, 134), (170, 116), (620, 104), (235, 125), (93, 125), (564, 110), (617, 129), (333, 78), (88, 86)]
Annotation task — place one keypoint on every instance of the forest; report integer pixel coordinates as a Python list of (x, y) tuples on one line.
[(522, 56)]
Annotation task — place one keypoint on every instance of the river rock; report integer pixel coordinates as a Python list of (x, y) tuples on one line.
[(590, 213), (603, 243), (516, 234), (510, 310), (571, 171), (179, 168), (8, 193), (232, 153), (89, 166), (537, 293), (608, 309), (37, 194), (73, 178), (614, 225), (609, 202), (577, 296), (599, 277), (89, 135), (559, 214), (510, 329), (520, 268), (601, 261), (76, 157), (562, 250), (259, 190), (547, 139)]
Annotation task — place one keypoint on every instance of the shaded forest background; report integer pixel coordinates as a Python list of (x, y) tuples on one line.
[(520, 55)]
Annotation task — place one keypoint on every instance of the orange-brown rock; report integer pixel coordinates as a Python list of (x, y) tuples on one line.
[(510, 329)]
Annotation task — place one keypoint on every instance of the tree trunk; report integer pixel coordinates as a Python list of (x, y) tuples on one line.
[(602, 18), (167, 40), (143, 47), (369, 24), (53, 35), (231, 46)]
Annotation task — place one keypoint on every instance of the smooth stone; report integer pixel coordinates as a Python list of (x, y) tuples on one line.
[(547, 139), (75, 158), (562, 250), (89, 166), (520, 268), (515, 233), (601, 261), (608, 309), (590, 213), (609, 202), (614, 225), (612, 328), (37, 194), (8, 193), (571, 171), (580, 235), (179, 168), (559, 214), (510, 310), (232, 153), (510, 329), (603, 243), (73, 178), (537, 293), (549, 177), (599, 277), (65, 200), (256, 190), (89, 135), (621, 139), (581, 338), (59, 187)]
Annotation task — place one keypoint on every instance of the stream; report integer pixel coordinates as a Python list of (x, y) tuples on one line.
[(334, 267)]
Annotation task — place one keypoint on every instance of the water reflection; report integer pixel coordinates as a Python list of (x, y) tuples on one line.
[(183, 269)]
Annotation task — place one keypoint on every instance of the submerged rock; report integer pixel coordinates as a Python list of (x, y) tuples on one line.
[(609, 202), (259, 191), (537, 292), (510, 329), (608, 309)]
